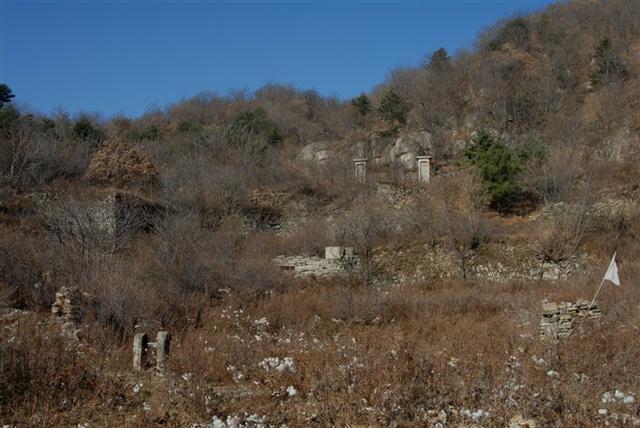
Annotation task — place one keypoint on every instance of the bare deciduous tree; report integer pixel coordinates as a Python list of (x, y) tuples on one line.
[(462, 200)]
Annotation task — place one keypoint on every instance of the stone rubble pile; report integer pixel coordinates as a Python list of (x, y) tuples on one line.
[(559, 319)]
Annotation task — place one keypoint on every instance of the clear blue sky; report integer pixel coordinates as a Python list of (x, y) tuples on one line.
[(127, 57)]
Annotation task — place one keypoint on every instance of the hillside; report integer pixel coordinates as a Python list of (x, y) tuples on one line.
[(212, 220)]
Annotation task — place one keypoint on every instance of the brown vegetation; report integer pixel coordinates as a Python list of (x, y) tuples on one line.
[(441, 317)]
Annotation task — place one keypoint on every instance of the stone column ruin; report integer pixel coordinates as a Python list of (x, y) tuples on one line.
[(424, 169), (141, 346), (361, 170)]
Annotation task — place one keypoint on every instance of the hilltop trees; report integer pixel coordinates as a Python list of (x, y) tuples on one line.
[(393, 107), (362, 104), (438, 60), (6, 94)]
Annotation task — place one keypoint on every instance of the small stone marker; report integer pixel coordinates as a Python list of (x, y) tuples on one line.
[(141, 347), (424, 169), (163, 340), (361, 170)]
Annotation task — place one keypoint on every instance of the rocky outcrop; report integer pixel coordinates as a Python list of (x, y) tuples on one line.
[(405, 149), (318, 152), (379, 150)]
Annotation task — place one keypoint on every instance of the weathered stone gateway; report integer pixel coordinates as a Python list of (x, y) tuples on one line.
[(142, 350), (559, 319)]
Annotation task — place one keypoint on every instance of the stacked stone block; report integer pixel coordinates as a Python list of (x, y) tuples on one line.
[(68, 310), (559, 319), (67, 305)]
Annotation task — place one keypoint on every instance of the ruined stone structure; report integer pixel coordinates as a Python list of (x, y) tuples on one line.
[(361, 170), (98, 216), (559, 319), (125, 212), (141, 351), (68, 311), (337, 260), (338, 252)]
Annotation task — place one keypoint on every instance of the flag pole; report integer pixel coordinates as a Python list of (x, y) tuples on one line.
[(590, 304), (596, 295)]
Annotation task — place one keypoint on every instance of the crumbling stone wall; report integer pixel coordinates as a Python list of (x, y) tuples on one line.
[(559, 319), (67, 309)]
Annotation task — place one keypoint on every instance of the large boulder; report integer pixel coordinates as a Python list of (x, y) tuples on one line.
[(406, 147), (317, 152)]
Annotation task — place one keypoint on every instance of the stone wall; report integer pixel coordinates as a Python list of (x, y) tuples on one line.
[(559, 319)]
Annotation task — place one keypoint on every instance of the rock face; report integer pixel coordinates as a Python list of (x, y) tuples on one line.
[(318, 152), (559, 319), (407, 147), (338, 252), (380, 150)]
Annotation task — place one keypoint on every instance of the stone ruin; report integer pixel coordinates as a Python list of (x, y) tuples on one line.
[(142, 350), (66, 308), (337, 260), (559, 319), (338, 253)]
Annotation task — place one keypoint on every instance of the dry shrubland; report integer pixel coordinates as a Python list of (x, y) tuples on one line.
[(534, 138)]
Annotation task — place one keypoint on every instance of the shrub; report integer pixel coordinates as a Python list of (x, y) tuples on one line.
[(185, 127), (85, 130), (254, 131), (515, 32), (151, 132), (393, 107), (499, 167), (362, 104), (608, 65)]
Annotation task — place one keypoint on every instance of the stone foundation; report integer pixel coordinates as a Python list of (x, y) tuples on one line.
[(337, 260), (559, 319)]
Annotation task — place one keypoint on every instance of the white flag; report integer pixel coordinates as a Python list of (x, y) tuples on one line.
[(612, 272)]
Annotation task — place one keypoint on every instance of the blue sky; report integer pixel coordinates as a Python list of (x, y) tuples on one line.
[(127, 57)]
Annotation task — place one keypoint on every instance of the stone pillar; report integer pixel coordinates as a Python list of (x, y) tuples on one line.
[(361, 170), (163, 340), (140, 345), (424, 169)]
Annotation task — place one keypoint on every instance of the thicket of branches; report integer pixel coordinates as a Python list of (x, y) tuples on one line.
[(539, 101)]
